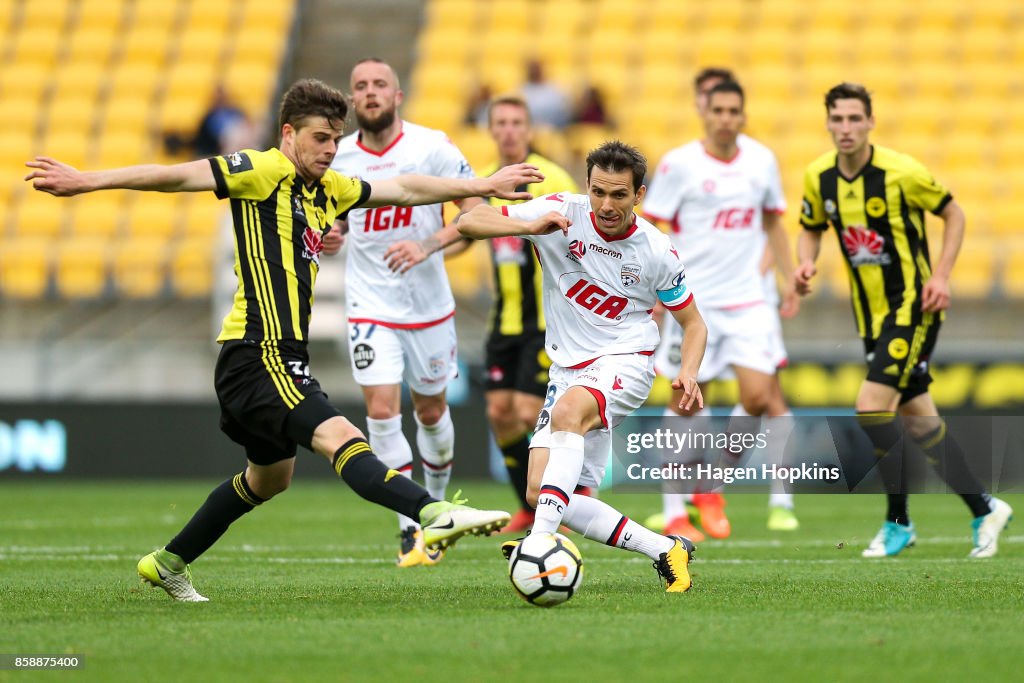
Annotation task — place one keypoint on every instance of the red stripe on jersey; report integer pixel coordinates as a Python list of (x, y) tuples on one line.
[(402, 326), (613, 540), (580, 366), (360, 145), (689, 300), (504, 210), (602, 405), (777, 212), (733, 158), (554, 491), (405, 468)]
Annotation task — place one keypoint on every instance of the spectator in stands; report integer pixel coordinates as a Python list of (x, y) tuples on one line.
[(590, 108), (478, 106), (548, 105), (223, 129)]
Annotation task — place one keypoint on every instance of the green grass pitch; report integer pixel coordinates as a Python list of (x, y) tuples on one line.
[(304, 589)]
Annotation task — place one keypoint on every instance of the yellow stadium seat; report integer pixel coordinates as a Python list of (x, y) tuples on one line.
[(192, 268), (82, 80), (145, 47), (271, 14), (476, 145), (931, 45), (975, 268), (664, 46), (259, 44), (71, 147), (19, 114), (44, 14), (156, 13), (180, 114), (200, 46), (93, 44), (584, 137), (205, 15), (25, 268), (133, 80), (71, 116), (97, 215), (452, 13), (16, 147), (727, 14), (251, 85), (126, 115), (1007, 218), (140, 267), (37, 44), (38, 215), (1013, 274), (986, 44), (108, 13), (25, 79), (80, 268), (202, 215), (155, 215)]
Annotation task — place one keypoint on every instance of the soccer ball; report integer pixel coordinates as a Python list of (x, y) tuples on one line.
[(546, 569)]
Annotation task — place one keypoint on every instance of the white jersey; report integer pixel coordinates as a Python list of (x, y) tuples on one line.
[(373, 293), (599, 291), (715, 208)]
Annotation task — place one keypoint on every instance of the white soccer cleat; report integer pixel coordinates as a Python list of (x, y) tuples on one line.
[(986, 529), (177, 584)]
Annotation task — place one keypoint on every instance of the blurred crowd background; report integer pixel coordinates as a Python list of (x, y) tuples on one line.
[(117, 294)]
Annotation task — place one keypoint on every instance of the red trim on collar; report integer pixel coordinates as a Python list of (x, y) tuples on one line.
[(360, 145), (718, 158), (616, 238)]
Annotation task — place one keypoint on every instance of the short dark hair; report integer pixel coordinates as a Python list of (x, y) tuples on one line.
[(728, 86), (512, 100), (378, 60), (615, 156), (309, 97), (848, 91), (707, 73)]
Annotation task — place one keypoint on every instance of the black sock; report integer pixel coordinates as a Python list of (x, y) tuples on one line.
[(517, 462), (886, 436), (376, 482), (223, 506), (946, 456)]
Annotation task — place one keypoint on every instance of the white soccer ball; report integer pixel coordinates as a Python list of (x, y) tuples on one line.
[(546, 569)]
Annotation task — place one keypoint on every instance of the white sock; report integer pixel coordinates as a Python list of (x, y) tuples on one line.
[(565, 464), (391, 447), (781, 427), (673, 504), (600, 522), (436, 444)]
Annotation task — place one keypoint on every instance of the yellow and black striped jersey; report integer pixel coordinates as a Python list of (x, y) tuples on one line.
[(879, 219), (517, 277), (279, 223)]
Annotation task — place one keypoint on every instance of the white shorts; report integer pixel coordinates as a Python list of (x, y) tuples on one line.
[(620, 383), (750, 337), (425, 358)]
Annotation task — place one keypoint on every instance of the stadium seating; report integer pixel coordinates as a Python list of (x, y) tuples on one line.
[(946, 76), (96, 84)]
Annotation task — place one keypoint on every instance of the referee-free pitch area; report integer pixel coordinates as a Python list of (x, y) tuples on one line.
[(304, 589)]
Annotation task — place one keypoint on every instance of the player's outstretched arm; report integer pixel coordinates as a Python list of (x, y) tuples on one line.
[(403, 255), (808, 247), (935, 294), (485, 221), (695, 339), (414, 190), (778, 243), (62, 180)]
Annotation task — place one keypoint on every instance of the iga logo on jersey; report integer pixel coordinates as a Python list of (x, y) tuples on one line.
[(865, 247), (313, 244), (594, 301), (576, 251)]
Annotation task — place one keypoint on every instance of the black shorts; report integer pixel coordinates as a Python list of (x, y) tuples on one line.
[(517, 362), (900, 356), (269, 402)]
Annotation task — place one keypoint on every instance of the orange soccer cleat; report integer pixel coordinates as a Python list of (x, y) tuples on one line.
[(712, 514), (681, 526)]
